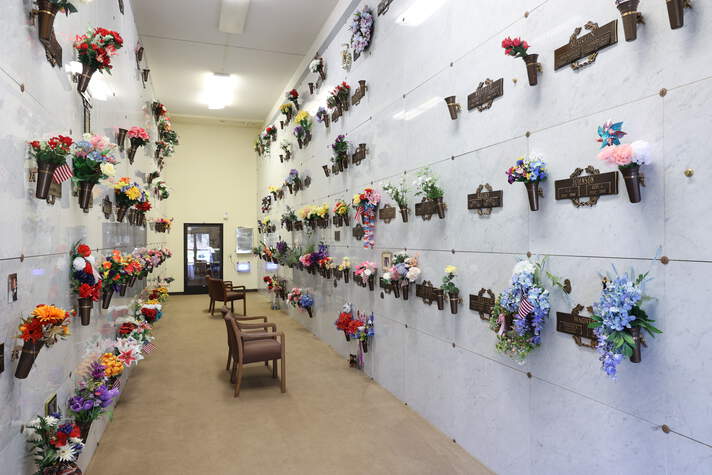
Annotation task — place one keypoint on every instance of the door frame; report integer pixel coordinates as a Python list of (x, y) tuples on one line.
[(185, 256)]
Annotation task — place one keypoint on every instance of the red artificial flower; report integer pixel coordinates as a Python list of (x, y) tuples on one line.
[(75, 431), (353, 326), (83, 250), (516, 42), (35, 144), (127, 328), (149, 314)]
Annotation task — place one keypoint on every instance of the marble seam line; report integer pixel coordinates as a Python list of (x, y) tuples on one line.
[(67, 252), (470, 350)]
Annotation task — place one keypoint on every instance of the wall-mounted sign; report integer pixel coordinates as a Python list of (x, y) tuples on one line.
[(335, 115), (107, 207), (586, 46), (387, 213), (483, 303), (591, 186), (358, 232), (427, 292), (486, 93), (484, 199), (576, 325), (360, 93), (359, 154), (427, 208)]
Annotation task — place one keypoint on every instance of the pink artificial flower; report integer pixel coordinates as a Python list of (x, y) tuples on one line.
[(516, 42), (138, 132), (606, 154), (623, 154)]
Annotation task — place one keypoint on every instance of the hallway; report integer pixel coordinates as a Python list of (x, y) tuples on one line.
[(177, 414)]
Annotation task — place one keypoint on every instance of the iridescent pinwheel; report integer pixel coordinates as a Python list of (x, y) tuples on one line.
[(610, 133)]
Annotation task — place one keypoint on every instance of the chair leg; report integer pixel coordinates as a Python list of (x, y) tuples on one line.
[(233, 372), (239, 380), (212, 305), (244, 306), (212, 312), (274, 368), (284, 376), (229, 358), (232, 306)]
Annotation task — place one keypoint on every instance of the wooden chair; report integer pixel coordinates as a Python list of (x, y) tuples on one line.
[(249, 348), (223, 291), (253, 333)]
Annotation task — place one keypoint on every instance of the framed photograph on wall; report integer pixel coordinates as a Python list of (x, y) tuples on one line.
[(386, 260), (12, 288)]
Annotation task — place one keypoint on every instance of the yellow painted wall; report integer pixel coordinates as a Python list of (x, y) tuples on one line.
[(213, 172)]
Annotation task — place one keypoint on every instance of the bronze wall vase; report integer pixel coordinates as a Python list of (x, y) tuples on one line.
[(121, 213), (453, 107), (360, 93), (85, 194), (534, 192), (633, 179), (311, 88), (85, 306), (533, 68), (121, 138), (676, 12), (122, 290), (454, 300), (84, 78), (427, 208), (46, 13), (45, 171), (106, 296), (631, 17), (29, 353)]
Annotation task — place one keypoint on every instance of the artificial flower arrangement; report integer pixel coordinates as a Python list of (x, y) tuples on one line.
[(151, 310), (618, 318), (85, 280), (627, 157), (311, 258), (286, 147), (166, 132), (287, 110), (317, 66), (531, 171), (517, 48), (142, 207), (426, 185), (55, 444), (114, 277), (362, 329), (520, 311), (163, 150), (47, 12), (344, 269), (160, 189), (50, 155), (159, 294), (91, 398), (271, 133), (138, 138), (326, 266), (263, 251), (293, 97), (339, 97), (276, 191), (299, 299), (93, 161), (341, 213), (259, 146), (289, 218), (449, 288), (346, 323), (136, 326), (303, 128), (293, 182), (282, 250), (265, 225), (401, 274), (266, 143), (45, 326), (361, 31), (399, 194), (367, 272), (113, 367), (341, 149), (162, 225), (94, 51), (322, 116), (158, 110), (366, 204), (127, 194), (133, 268)]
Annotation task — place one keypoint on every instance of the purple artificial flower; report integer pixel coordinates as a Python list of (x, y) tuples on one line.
[(106, 395), (97, 371)]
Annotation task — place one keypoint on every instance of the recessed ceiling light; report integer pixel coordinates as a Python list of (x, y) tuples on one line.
[(219, 90)]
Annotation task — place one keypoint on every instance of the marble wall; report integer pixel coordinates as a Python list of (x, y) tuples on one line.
[(38, 101), (558, 413)]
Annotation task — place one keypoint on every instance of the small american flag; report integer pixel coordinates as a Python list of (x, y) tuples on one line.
[(525, 308), (117, 384), (148, 348), (62, 173)]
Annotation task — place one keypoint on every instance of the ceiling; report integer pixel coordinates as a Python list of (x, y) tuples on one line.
[(184, 45)]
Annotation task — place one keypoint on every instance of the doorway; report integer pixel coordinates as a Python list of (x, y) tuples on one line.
[(203, 251)]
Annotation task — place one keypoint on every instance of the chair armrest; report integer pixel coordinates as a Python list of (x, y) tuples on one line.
[(249, 326), (227, 284), (239, 287), (264, 319), (258, 336)]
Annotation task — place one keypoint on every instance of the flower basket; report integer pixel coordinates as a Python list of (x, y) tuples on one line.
[(85, 305), (85, 191), (454, 301), (631, 18), (44, 179), (106, 297), (532, 62), (30, 350), (533, 193), (46, 13), (631, 176)]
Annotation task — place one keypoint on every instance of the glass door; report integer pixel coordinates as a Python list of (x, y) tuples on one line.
[(203, 251)]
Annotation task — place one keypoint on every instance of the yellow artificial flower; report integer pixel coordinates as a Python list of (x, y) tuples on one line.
[(357, 199), (133, 193), (272, 189), (287, 106), (451, 270), (303, 115)]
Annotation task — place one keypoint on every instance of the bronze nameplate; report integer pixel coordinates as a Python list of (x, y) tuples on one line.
[(358, 232), (335, 115), (485, 94), (576, 325), (387, 213), (337, 236), (483, 304), (592, 186), (426, 209), (107, 207), (383, 6), (359, 94), (484, 201), (586, 46), (359, 154)]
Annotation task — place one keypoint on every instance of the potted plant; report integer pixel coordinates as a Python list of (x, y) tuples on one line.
[(91, 398), (287, 110), (341, 213), (627, 157), (50, 155), (303, 129), (530, 171), (448, 287), (317, 66), (341, 149), (366, 271), (44, 327), (426, 185), (517, 48), (85, 280), (366, 204), (322, 116), (138, 138), (55, 444), (399, 194), (127, 194), (293, 97), (286, 147), (618, 318), (93, 161), (94, 51), (631, 17), (361, 28), (521, 310)]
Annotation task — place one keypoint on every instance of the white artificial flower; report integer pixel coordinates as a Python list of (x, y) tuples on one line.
[(387, 276), (51, 421), (91, 259), (367, 272), (108, 169), (413, 274), (524, 266), (66, 453), (641, 152), (78, 263)]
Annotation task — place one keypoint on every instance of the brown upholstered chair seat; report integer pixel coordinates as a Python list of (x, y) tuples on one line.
[(261, 350)]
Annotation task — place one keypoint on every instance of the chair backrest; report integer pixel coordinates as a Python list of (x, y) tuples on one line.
[(231, 334), (209, 285), (219, 289)]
